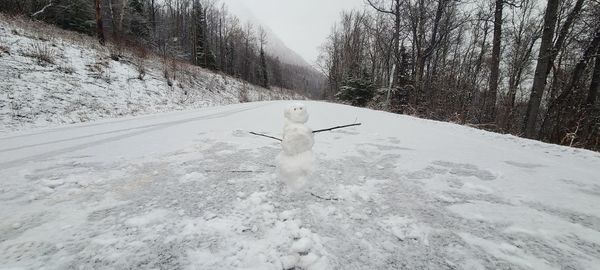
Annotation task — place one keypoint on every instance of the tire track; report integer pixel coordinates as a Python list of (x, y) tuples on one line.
[(148, 128)]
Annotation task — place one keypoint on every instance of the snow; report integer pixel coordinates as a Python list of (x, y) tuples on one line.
[(84, 84), (297, 139), (194, 190), (155, 216), (296, 161), (294, 170)]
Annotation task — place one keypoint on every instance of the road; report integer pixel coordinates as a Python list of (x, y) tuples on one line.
[(194, 190)]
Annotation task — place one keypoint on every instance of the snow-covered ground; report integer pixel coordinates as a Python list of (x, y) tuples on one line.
[(193, 190), (50, 76)]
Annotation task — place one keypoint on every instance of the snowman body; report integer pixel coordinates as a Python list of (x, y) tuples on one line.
[(296, 160)]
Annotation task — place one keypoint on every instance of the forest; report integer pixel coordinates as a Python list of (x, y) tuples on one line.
[(201, 32), (524, 67)]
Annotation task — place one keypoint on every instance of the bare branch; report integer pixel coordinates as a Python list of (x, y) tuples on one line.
[(316, 131), (380, 9), (338, 127), (43, 9), (266, 136), (234, 171), (324, 198), (512, 4)]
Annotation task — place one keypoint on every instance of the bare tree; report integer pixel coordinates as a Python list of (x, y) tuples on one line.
[(544, 63), (547, 54), (489, 103), (99, 24)]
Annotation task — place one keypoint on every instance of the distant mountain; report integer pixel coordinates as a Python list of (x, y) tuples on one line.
[(275, 46)]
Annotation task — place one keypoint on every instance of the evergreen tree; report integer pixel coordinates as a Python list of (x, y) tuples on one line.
[(77, 15), (202, 56), (276, 72), (264, 75), (138, 23), (358, 90)]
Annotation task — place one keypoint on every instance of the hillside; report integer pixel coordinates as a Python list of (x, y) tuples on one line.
[(49, 76), (274, 45), (194, 190)]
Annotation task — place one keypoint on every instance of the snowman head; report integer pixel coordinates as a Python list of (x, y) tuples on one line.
[(296, 113)]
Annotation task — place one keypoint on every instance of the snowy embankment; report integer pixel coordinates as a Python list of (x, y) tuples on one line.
[(49, 76), (194, 190)]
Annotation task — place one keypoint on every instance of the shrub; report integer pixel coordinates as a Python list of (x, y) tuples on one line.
[(42, 52), (66, 69), (243, 94), (356, 90)]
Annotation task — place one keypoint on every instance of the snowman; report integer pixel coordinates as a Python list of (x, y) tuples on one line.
[(296, 160)]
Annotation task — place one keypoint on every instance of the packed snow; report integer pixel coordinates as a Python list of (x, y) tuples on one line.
[(49, 76), (296, 161), (194, 190)]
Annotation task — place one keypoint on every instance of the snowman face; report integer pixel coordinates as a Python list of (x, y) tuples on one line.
[(296, 113)]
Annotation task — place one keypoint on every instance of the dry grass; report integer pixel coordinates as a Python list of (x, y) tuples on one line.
[(100, 68), (66, 69), (171, 69), (139, 61), (243, 94), (47, 32), (42, 52)]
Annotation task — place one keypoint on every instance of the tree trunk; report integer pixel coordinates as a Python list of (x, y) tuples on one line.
[(544, 62), (513, 84), (490, 97), (263, 67), (432, 45), (153, 17), (117, 18), (479, 64), (397, 56), (593, 91), (99, 24)]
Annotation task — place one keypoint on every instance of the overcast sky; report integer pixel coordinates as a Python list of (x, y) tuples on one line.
[(302, 24)]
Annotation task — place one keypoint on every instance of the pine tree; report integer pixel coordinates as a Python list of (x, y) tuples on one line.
[(264, 75), (202, 56), (77, 15), (358, 90), (276, 72), (138, 23)]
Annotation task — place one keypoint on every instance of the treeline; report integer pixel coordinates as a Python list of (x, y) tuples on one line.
[(199, 31), (514, 66)]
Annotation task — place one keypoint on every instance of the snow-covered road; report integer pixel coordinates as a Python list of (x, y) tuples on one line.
[(194, 190)]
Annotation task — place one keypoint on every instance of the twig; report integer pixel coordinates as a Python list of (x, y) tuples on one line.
[(323, 198), (338, 127), (316, 131), (234, 171), (263, 135)]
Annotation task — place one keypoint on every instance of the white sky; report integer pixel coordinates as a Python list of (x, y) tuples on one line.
[(303, 25)]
